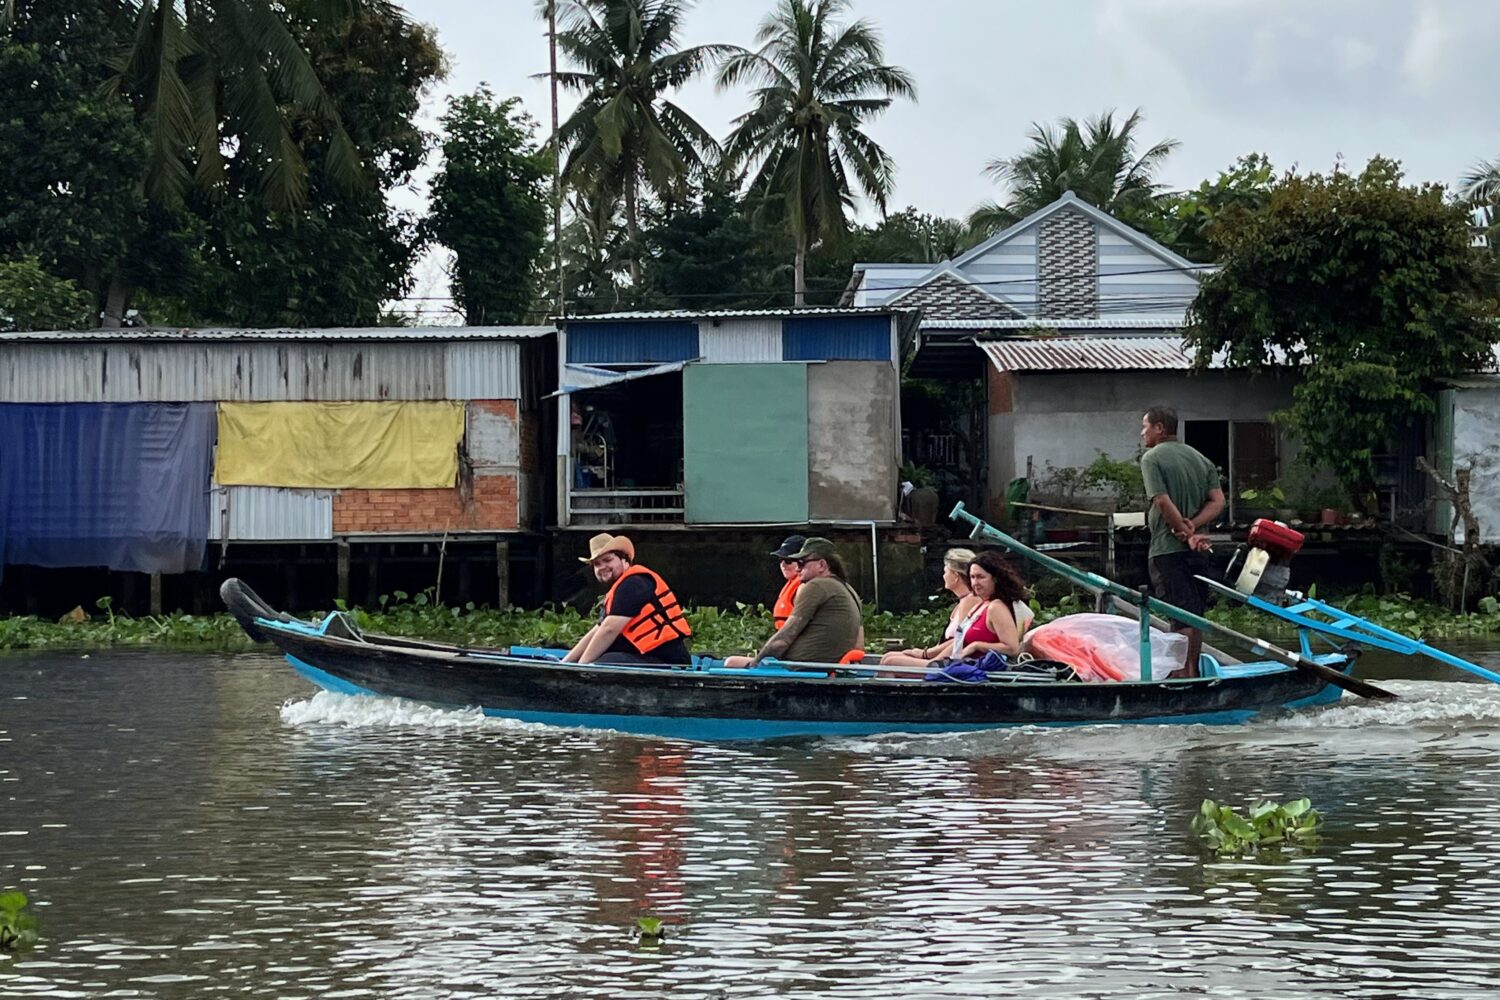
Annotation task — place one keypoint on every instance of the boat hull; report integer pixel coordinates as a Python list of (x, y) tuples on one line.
[(695, 704), (713, 703)]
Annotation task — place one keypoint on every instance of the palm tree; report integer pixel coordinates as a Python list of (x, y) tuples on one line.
[(818, 83), (1095, 160), (206, 73), (1483, 185), (624, 131)]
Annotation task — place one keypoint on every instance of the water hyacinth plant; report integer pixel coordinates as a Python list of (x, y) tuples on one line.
[(17, 927), (1269, 824)]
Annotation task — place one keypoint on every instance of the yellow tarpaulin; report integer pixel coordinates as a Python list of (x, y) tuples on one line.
[(387, 445)]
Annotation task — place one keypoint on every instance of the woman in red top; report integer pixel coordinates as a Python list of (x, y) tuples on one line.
[(998, 628)]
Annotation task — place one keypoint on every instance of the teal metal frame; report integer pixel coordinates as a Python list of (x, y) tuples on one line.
[(1340, 624)]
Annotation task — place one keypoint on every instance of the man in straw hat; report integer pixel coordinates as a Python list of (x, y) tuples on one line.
[(827, 625), (641, 622)]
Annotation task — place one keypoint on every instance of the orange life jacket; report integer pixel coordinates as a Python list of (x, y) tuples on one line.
[(784, 600), (660, 619)]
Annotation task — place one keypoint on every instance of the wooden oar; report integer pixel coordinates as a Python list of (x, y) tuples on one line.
[(1094, 583)]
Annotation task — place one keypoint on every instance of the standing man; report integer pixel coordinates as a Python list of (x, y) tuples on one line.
[(827, 623), (1178, 480), (642, 623)]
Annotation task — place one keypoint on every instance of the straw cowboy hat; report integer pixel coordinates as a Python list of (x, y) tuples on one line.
[(605, 543)]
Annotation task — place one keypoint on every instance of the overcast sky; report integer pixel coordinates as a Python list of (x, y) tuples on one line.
[(1304, 81)]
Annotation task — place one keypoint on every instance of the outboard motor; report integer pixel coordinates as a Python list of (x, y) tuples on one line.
[(1266, 560)]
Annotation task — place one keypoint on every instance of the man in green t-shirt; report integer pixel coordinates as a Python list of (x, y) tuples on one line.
[(1178, 479), (827, 622)]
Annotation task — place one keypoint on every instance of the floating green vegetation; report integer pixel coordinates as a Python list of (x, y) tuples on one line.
[(17, 927), (650, 930), (1268, 825), (739, 629)]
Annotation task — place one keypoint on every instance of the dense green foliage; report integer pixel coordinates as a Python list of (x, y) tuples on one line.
[(333, 259), (1268, 825), (490, 206), (818, 84), (71, 161), (1188, 221), (33, 298), (708, 254), (233, 168), (1370, 282)]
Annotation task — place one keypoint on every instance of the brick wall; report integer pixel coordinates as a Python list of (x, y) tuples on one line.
[(494, 506), (1067, 259), (492, 503), (531, 441)]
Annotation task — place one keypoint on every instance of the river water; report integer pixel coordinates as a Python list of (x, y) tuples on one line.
[(200, 826)]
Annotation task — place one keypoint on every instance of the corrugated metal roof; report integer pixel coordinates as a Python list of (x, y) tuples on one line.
[(61, 372), (1138, 353), (1121, 323), (695, 314), (311, 333)]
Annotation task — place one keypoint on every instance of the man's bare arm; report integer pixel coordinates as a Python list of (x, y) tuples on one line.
[(779, 643), (1175, 521), (602, 637), (1210, 511)]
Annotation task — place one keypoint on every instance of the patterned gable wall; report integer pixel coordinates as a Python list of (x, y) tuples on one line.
[(1067, 267), (946, 297)]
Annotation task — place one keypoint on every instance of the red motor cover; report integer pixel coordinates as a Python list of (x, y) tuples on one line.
[(1276, 538)]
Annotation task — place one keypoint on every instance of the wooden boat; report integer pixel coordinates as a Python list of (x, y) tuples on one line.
[(705, 700)]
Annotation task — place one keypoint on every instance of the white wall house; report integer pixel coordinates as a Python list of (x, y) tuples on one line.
[(1075, 322)]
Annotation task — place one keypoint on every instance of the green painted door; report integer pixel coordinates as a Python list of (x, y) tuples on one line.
[(744, 442)]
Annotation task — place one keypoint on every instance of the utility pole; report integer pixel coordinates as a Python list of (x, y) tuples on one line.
[(556, 155)]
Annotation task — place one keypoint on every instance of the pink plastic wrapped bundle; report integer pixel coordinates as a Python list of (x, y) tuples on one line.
[(1106, 647)]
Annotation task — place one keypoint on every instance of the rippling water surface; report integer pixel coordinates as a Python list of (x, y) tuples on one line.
[(191, 826)]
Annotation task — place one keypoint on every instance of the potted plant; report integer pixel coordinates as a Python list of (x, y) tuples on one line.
[(1262, 501)]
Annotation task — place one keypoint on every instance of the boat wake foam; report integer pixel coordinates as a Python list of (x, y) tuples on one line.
[(363, 711), (1424, 709), (1418, 703)]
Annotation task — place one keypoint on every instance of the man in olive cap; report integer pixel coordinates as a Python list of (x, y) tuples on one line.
[(641, 621), (826, 623)]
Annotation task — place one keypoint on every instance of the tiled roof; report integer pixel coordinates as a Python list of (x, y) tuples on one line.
[(948, 297)]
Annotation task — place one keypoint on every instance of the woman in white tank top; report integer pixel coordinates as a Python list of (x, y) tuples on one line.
[(955, 581)]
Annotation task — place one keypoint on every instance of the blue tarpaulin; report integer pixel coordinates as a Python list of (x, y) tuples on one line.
[(122, 485)]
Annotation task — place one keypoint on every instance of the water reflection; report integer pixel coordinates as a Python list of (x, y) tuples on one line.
[(186, 836)]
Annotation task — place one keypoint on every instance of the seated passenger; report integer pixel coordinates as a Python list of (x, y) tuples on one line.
[(955, 581), (791, 573), (641, 622), (1002, 616), (827, 623)]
